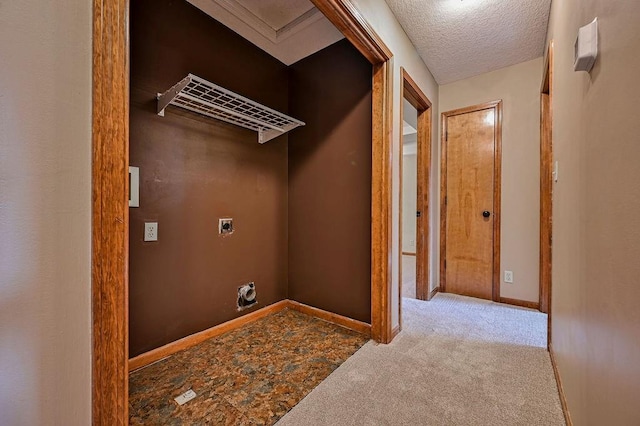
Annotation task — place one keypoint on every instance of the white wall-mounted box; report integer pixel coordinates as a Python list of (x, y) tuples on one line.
[(134, 186), (586, 47)]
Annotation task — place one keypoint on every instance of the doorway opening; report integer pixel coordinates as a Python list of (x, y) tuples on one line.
[(409, 215), (470, 201), (415, 172), (110, 223)]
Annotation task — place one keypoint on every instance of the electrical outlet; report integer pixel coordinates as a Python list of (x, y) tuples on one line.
[(508, 277), (151, 231)]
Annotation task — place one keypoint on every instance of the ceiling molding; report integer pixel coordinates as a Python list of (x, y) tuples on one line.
[(248, 17), (303, 36), (255, 22), (298, 24)]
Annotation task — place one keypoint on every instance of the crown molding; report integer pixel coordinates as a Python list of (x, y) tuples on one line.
[(274, 35)]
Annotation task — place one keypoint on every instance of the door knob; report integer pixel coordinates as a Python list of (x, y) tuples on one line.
[(486, 213)]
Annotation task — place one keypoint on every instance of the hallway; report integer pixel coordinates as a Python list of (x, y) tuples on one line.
[(457, 361)]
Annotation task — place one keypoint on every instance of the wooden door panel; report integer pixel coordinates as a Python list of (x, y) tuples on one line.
[(470, 190)]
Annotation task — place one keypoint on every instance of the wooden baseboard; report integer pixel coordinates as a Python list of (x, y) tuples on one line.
[(351, 324), (563, 399), (407, 253), (395, 331), (433, 293), (518, 302), (192, 340)]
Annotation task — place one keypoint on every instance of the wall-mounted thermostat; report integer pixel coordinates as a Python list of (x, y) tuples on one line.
[(586, 47)]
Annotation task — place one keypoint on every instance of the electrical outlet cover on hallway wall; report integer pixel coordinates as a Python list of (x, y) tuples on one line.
[(151, 231), (508, 277)]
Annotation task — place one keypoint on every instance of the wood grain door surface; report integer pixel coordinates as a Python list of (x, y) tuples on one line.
[(470, 145)]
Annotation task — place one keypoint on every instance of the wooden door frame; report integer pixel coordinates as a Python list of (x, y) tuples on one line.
[(497, 191), (110, 213), (416, 97), (546, 187), (110, 219)]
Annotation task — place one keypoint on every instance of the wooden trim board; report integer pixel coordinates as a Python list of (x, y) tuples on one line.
[(497, 192), (351, 324), (432, 293), (406, 253), (546, 180), (522, 303), (395, 331), (413, 93), (400, 224), (110, 213), (381, 204), (346, 17), (192, 340), (423, 228), (497, 201), (563, 398), (169, 349), (546, 190)]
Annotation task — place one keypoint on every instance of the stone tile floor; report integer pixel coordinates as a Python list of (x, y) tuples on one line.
[(249, 376)]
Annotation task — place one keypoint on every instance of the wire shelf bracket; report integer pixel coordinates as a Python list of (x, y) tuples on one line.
[(203, 97)]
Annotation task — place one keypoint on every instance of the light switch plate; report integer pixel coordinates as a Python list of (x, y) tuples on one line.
[(151, 231), (134, 186), (185, 397)]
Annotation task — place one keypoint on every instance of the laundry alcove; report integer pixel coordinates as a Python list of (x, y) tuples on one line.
[(300, 203)]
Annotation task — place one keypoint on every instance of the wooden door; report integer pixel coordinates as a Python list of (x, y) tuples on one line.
[(471, 201)]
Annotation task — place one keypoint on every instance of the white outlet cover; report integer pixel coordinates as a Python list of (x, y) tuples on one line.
[(185, 397), (151, 231), (508, 276)]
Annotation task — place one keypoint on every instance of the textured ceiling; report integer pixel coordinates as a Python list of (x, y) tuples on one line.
[(288, 30), (458, 39)]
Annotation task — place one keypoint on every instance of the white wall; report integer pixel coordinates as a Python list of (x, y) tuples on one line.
[(409, 201), (45, 203), (519, 88), (596, 227), (383, 21)]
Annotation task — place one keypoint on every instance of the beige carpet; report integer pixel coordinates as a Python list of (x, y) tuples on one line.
[(458, 361)]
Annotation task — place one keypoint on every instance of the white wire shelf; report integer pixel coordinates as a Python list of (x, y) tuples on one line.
[(203, 97)]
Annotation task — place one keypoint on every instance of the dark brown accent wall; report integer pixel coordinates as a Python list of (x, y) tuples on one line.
[(330, 182), (194, 170)]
